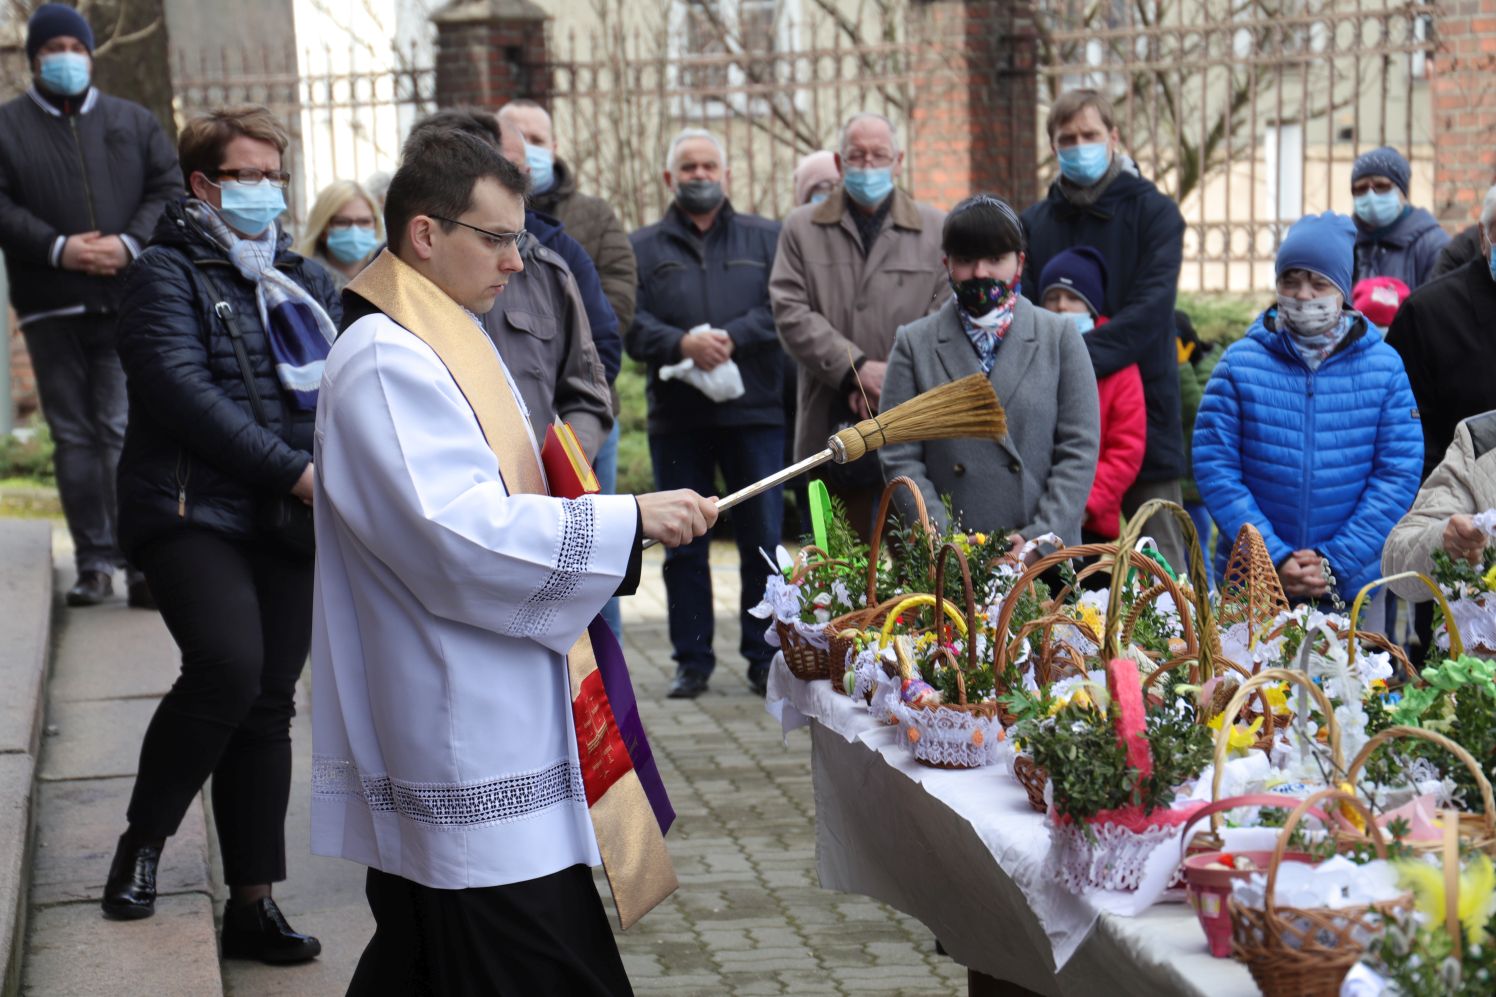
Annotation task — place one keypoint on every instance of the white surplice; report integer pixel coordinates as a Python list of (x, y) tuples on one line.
[(442, 737)]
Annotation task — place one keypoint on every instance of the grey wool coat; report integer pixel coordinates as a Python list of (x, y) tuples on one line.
[(1036, 479)]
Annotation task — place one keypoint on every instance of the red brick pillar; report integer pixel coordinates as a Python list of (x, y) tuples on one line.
[(975, 124), (489, 52), (1463, 86)]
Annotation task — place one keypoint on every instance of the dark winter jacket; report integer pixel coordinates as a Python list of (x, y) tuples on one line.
[(1461, 250), (721, 279), (1322, 460), (1407, 249), (606, 334), (1443, 332), (1140, 233), (107, 168), (591, 221), (194, 455)]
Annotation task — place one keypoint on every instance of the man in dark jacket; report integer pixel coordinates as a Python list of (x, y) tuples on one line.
[(1461, 250), (1100, 201), (1393, 238), (704, 297), (83, 179)]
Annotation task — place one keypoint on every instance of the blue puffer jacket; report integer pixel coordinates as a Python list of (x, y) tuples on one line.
[(1326, 460)]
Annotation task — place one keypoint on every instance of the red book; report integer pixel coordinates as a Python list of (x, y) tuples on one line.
[(566, 467)]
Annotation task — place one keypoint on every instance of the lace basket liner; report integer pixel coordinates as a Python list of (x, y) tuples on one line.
[(949, 738)]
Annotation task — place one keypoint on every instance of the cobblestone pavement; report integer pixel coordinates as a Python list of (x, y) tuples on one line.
[(749, 917)]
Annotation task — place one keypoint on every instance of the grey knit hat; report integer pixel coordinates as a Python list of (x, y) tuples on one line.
[(1384, 162)]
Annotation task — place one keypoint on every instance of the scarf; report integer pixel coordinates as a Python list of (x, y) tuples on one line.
[(986, 339), (298, 328), (1316, 349), (1085, 197)]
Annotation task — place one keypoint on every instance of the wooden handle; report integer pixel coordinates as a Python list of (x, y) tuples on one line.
[(1468, 760), (1456, 645), (880, 521), (1281, 845)]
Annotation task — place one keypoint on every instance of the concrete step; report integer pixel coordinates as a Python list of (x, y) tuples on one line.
[(110, 666), (25, 634)]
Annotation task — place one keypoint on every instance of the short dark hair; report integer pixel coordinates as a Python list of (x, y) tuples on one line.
[(202, 140), (982, 227), (439, 168), (1073, 102), (469, 120)]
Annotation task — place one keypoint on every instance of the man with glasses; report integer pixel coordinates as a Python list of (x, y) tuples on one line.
[(549, 327), (851, 270), (1393, 238), (465, 747), (83, 179)]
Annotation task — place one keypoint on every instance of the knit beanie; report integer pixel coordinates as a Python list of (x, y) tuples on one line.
[(1379, 298), (813, 170), (1322, 244), (1384, 162), (1081, 271), (53, 20)]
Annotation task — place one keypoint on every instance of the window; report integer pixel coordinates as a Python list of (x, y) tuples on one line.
[(723, 47)]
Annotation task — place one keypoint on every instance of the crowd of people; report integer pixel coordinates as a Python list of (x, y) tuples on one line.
[(181, 339)]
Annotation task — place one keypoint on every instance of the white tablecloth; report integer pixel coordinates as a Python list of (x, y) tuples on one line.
[(963, 852)]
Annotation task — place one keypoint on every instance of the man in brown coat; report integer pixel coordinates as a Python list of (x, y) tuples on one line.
[(848, 272)]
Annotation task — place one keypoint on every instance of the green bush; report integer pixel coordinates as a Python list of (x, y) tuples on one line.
[(28, 458), (635, 472), (1221, 318)]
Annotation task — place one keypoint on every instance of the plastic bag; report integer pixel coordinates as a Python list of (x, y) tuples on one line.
[(722, 383)]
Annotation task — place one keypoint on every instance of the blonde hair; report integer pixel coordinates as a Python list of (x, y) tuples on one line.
[(333, 197)]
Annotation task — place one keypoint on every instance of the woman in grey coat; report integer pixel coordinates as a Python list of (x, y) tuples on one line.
[(1036, 478)]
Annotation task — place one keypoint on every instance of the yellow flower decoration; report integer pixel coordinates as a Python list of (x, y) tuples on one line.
[(1080, 698), (1490, 578), (1277, 698), (1242, 736), (1349, 812), (1477, 886), (1090, 616)]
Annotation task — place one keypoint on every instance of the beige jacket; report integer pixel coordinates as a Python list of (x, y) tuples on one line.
[(1464, 482), (833, 307)]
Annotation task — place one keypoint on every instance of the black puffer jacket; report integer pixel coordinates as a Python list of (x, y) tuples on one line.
[(194, 455)]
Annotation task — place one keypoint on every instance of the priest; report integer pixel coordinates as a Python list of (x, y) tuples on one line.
[(464, 747)]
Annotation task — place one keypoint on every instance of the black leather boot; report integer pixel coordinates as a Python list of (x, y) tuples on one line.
[(130, 892), (258, 930)]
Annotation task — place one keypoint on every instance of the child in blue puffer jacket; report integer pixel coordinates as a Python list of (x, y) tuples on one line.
[(1308, 429)]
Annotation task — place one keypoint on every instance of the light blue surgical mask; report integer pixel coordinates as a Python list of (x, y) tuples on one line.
[(66, 73), (251, 208), (1492, 262), (818, 198), (351, 244), (870, 186), (1379, 210), (1083, 165), (542, 167), (1084, 322)]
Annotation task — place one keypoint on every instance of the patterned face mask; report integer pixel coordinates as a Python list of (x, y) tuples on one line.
[(979, 296)]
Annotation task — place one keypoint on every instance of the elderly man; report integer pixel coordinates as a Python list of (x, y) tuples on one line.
[(703, 298), (1393, 238), (1100, 201), (850, 271)]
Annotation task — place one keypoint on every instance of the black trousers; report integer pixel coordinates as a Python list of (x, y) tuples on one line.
[(241, 613), (543, 936)]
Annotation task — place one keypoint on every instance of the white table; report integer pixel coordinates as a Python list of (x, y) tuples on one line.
[(964, 853)]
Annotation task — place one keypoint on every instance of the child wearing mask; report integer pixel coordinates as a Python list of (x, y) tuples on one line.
[(1308, 429), (1073, 284)]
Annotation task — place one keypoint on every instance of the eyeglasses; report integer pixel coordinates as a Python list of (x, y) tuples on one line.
[(1366, 186), (858, 159), (496, 241), (276, 178), (338, 224)]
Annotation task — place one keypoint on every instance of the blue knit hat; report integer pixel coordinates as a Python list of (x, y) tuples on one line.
[(53, 20), (1384, 162), (1081, 271), (1324, 244)]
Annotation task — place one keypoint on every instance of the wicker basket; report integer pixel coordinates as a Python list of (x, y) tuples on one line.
[(1251, 591), (1306, 952), (1479, 829), (804, 646), (956, 735), (1033, 779)]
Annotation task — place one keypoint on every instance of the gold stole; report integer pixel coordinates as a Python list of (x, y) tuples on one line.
[(633, 850)]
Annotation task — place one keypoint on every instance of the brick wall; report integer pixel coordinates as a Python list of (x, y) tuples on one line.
[(1463, 86), (489, 52)]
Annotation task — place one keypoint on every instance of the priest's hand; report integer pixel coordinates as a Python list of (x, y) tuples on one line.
[(676, 518), (303, 487)]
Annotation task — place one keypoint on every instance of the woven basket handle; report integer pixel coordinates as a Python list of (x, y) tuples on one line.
[(1214, 809), (1488, 807), (1245, 692), (1209, 640), (973, 627), (880, 523), (1344, 799), (804, 565), (1456, 644)]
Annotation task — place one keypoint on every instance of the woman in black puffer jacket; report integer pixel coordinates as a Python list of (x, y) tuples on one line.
[(203, 462)]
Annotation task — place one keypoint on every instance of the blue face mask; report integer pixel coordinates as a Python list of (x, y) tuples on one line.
[(66, 73), (542, 167), (1084, 321), (818, 198), (1083, 165), (351, 244), (1379, 210), (868, 187), (251, 208), (1493, 263)]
